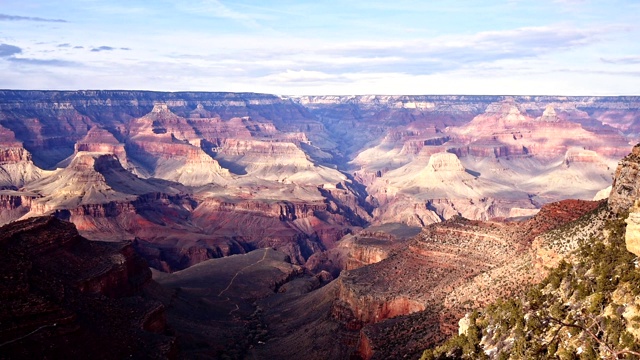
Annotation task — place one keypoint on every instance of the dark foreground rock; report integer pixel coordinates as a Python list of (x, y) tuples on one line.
[(67, 297)]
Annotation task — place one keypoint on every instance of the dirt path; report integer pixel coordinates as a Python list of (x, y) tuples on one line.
[(477, 234), (241, 270)]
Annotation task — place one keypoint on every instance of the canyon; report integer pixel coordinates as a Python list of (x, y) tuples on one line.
[(193, 176), (316, 226)]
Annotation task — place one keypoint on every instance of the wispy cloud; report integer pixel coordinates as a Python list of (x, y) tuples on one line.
[(102, 48), (108, 48), (5, 17), (9, 52), (482, 46), (217, 8), (307, 46), (626, 60), (301, 76), (412, 56), (47, 62)]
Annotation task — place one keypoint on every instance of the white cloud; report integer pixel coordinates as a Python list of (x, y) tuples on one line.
[(299, 76)]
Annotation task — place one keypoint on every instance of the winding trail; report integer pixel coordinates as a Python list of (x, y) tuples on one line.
[(29, 334), (241, 270), (499, 239)]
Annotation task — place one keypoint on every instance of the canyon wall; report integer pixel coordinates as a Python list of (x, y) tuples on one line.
[(191, 175)]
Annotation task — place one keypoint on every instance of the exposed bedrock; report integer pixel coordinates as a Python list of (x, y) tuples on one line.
[(632, 234), (625, 197), (356, 309), (626, 189), (62, 289)]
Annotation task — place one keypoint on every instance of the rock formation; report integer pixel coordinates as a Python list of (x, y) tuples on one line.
[(66, 297), (214, 169), (16, 164), (632, 234), (624, 190), (416, 294), (290, 192)]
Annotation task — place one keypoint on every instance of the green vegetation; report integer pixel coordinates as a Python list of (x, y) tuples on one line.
[(588, 308)]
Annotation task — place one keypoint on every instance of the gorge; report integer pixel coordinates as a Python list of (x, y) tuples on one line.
[(290, 226)]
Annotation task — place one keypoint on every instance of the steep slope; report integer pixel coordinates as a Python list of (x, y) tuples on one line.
[(66, 297), (518, 162), (90, 178), (420, 195), (588, 305), (16, 165), (213, 304), (100, 140), (48, 129), (170, 149), (586, 308), (415, 294), (234, 171)]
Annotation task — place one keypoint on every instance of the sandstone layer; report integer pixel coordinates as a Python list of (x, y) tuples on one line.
[(190, 176)]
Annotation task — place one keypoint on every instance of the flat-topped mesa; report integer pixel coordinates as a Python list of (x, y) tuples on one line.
[(549, 115), (499, 118), (101, 141), (443, 162), (13, 155), (162, 125), (200, 112), (575, 155), (98, 135), (171, 148), (160, 107), (507, 110)]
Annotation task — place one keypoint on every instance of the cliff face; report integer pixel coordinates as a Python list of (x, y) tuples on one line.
[(624, 190), (609, 310), (16, 163), (419, 291), (625, 195), (59, 288), (632, 234), (342, 162)]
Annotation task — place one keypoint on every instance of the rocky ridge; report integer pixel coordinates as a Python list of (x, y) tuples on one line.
[(59, 289), (586, 307)]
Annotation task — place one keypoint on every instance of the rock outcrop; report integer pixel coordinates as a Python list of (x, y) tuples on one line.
[(424, 285), (441, 162), (16, 163), (603, 194), (625, 189), (632, 234), (90, 178), (59, 289)]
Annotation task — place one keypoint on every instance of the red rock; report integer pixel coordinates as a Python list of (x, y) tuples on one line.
[(59, 289)]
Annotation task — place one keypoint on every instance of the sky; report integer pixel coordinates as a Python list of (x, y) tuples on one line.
[(286, 47)]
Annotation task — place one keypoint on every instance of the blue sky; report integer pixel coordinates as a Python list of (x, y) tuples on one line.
[(562, 47)]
